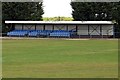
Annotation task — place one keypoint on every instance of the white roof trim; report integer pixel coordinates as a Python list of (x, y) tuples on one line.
[(59, 22)]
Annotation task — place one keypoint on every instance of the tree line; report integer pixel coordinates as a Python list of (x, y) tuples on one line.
[(81, 11)]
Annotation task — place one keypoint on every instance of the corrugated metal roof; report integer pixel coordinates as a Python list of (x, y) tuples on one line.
[(59, 22)]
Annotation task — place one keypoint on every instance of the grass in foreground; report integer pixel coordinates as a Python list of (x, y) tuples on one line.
[(60, 58)]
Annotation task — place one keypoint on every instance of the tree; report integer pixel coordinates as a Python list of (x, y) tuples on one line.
[(101, 11), (21, 11)]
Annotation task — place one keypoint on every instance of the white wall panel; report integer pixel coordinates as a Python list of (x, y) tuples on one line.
[(39, 27), (107, 29), (94, 29), (18, 27), (48, 27), (59, 27), (82, 30), (29, 27), (71, 27)]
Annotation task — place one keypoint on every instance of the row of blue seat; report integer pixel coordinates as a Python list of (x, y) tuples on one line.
[(55, 33)]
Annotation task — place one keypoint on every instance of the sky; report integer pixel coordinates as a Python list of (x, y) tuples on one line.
[(55, 8)]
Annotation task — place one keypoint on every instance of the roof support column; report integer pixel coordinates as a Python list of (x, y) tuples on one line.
[(44, 27), (35, 26), (114, 31), (22, 26), (76, 28), (89, 30), (53, 27), (101, 31), (67, 27)]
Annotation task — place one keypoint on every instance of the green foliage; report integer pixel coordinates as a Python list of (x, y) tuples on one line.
[(21, 11), (57, 18), (101, 11)]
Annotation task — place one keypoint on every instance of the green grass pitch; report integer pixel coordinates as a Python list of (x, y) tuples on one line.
[(51, 58)]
